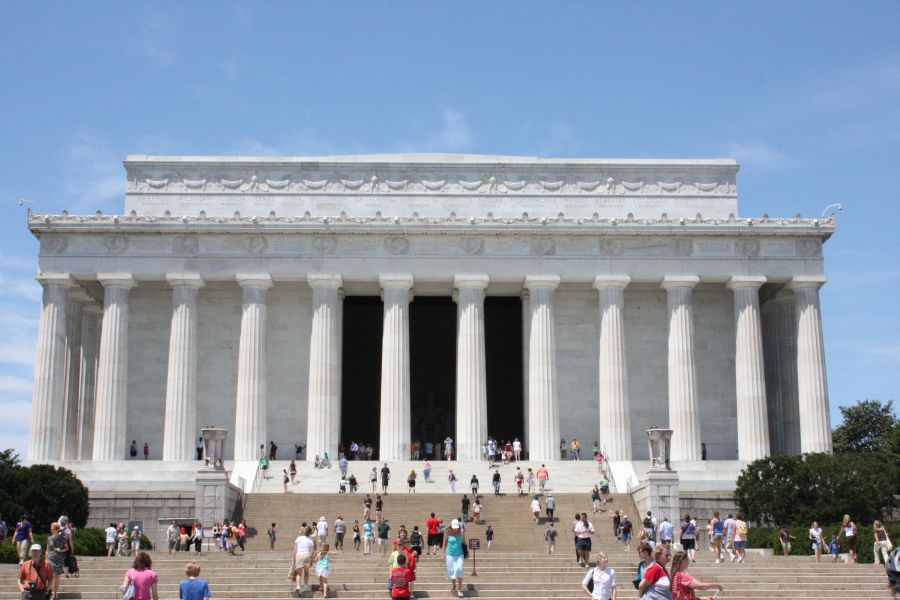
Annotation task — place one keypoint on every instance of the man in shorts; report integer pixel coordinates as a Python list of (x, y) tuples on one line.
[(432, 524), (550, 539), (729, 537), (172, 534), (384, 530), (111, 532), (583, 531)]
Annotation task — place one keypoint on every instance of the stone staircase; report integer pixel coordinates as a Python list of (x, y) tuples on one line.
[(516, 567)]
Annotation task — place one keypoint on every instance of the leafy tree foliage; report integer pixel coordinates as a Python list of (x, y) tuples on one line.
[(796, 490), (868, 426), (42, 492)]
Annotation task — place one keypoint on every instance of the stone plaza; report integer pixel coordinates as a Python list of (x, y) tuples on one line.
[(390, 298)]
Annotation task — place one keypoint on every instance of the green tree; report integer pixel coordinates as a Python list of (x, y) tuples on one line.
[(867, 427), (43, 492)]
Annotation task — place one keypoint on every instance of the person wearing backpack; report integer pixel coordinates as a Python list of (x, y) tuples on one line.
[(688, 537), (740, 537), (600, 581)]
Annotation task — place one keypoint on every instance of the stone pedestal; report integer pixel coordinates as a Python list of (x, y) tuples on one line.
[(659, 490), (214, 498)]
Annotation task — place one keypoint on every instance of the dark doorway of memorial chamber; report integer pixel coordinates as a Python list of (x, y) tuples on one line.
[(503, 362), (361, 371), (432, 367)]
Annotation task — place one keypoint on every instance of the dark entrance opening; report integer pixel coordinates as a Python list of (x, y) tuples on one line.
[(432, 365), (503, 358), (361, 370)]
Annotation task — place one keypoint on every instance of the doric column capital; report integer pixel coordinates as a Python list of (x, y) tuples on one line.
[(745, 281), (542, 281), (61, 279), (254, 280), (324, 280), (679, 281), (396, 280), (123, 280), (474, 280), (192, 280), (807, 281), (611, 281)]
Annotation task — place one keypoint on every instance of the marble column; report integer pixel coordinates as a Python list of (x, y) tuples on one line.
[(615, 423), (786, 344), (71, 418), (526, 334), (87, 378), (749, 369), (812, 385), (684, 416), (180, 422), (111, 403), (395, 408), (471, 379), (250, 414), (543, 399), (48, 395), (324, 400)]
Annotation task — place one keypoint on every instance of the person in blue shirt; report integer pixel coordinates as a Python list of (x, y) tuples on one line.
[(193, 588), (835, 548)]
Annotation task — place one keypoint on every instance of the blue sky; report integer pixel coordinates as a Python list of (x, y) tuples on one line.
[(806, 96)]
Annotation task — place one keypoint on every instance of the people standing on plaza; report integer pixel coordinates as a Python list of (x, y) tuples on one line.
[(740, 537), (583, 530), (146, 450), (292, 471), (495, 480), (57, 547), (132, 451), (665, 531), (24, 538), (785, 538), (816, 540), (142, 577), (543, 475), (285, 479), (717, 534), (264, 465), (604, 580), (850, 533), (411, 482), (655, 583), (576, 449), (193, 588), (35, 575), (550, 535), (517, 450), (451, 479), (682, 583), (272, 534), (882, 544), (197, 537), (454, 544), (342, 465), (563, 447), (385, 478), (688, 537), (536, 510), (304, 549), (200, 448)]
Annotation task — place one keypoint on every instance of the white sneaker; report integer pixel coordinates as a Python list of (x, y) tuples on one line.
[(718, 561)]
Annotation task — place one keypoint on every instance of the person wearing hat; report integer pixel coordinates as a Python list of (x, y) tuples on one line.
[(454, 556), (35, 576)]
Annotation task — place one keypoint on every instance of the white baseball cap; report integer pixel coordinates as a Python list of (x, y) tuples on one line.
[(35, 547), (454, 524)]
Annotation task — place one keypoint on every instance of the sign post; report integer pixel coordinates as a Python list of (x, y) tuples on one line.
[(474, 544)]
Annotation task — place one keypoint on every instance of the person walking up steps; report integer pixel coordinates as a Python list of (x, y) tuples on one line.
[(520, 480), (304, 548), (323, 567), (431, 525), (193, 588), (550, 506), (543, 475), (536, 510), (550, 539)]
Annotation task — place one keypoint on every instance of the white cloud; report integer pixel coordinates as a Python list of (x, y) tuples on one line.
[(20, 287), (452, 135), (17, 345), (758, 154)]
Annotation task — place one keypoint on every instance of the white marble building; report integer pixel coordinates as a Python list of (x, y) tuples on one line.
[(218, 296)]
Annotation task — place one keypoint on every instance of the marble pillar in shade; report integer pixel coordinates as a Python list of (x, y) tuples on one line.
[(111, 403), (749, 376), (251, 409), (526, 334), (48, 395), (812, 385), (324, 404), (684, 417), (615, 424), (180, 423), (395, 384), (77, 298), (543, 393), (471, 379), (87, 379)]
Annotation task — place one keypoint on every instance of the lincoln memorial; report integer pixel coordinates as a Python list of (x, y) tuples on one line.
[(390, 298)]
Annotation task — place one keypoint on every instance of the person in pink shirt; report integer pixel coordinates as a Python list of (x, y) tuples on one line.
[(143, 577), (542, 475)]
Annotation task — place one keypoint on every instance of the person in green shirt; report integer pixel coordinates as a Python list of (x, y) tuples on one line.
[(384, 530)]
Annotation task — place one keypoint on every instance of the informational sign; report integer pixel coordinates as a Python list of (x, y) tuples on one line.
[(474, 544)]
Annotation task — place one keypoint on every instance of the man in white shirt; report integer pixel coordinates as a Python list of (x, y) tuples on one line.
[(517, 449), (111, 539), (322, 530), (729, 537), (304, 548), (604, 580), (583, 531), (665, 531)]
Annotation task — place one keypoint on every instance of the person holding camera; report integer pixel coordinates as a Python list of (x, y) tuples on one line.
[(35, 576)]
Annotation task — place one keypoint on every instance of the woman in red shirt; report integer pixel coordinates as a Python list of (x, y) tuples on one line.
[(683, 585)]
